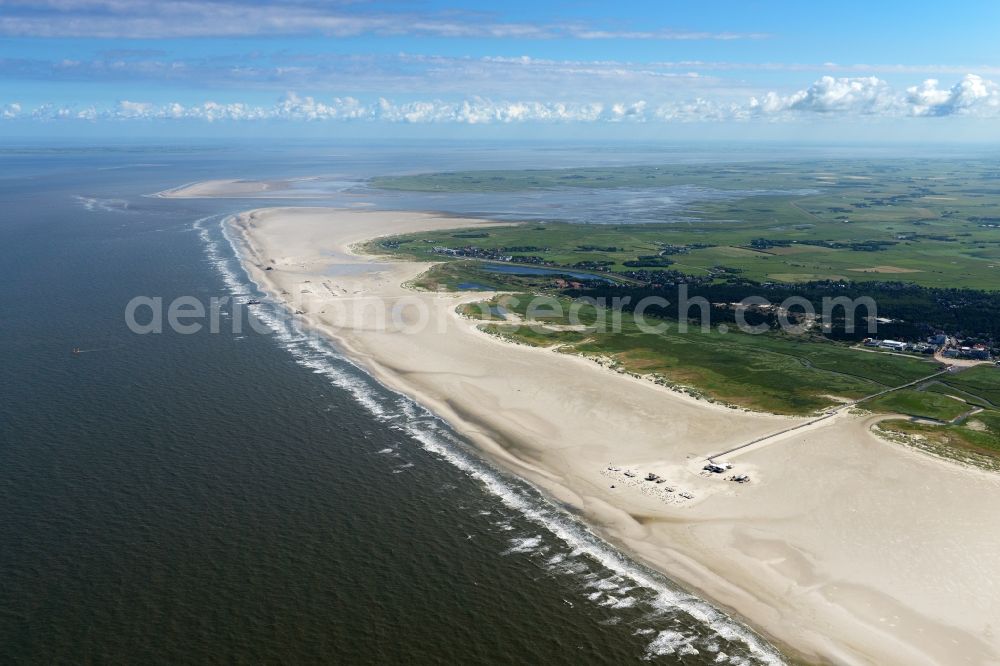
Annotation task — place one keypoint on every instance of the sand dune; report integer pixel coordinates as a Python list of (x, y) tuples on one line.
[(844, 548)]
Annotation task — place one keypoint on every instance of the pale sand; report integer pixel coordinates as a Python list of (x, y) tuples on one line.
[(223, 189), (844, 547)]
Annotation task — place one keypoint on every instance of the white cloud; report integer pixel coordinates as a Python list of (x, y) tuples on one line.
[(127, 109), (973, 95), (635, 111), (700, 110), (870, 96), (864, 96), (479, 111), (827, 97), (307, 108)]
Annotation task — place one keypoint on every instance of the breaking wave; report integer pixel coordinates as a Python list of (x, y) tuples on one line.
[(95, 204), (676, 622)]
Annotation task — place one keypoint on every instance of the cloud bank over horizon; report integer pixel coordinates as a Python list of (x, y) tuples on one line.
[(858, 97), (92, 67)]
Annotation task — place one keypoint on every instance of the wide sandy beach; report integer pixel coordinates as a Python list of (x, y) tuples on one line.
[(844, 548)]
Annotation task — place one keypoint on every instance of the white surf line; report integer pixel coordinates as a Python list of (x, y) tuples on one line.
[(575, 534), (165, 194)]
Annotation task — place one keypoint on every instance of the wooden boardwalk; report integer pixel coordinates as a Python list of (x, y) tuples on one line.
[(826, 416)]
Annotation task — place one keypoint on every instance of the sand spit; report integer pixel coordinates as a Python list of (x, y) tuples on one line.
[(237, 189), (846, 548)]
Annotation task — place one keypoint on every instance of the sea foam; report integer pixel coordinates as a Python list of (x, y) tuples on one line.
[(434, 436)]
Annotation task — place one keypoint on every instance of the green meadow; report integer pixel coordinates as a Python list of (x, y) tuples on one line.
[(935, 224), (968, 392), (921, 404), (772, 372)]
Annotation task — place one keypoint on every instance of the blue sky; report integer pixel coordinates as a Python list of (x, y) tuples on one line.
[(663, 69)]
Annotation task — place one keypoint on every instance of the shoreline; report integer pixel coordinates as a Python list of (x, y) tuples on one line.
[(227, 189), (682, 540)]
